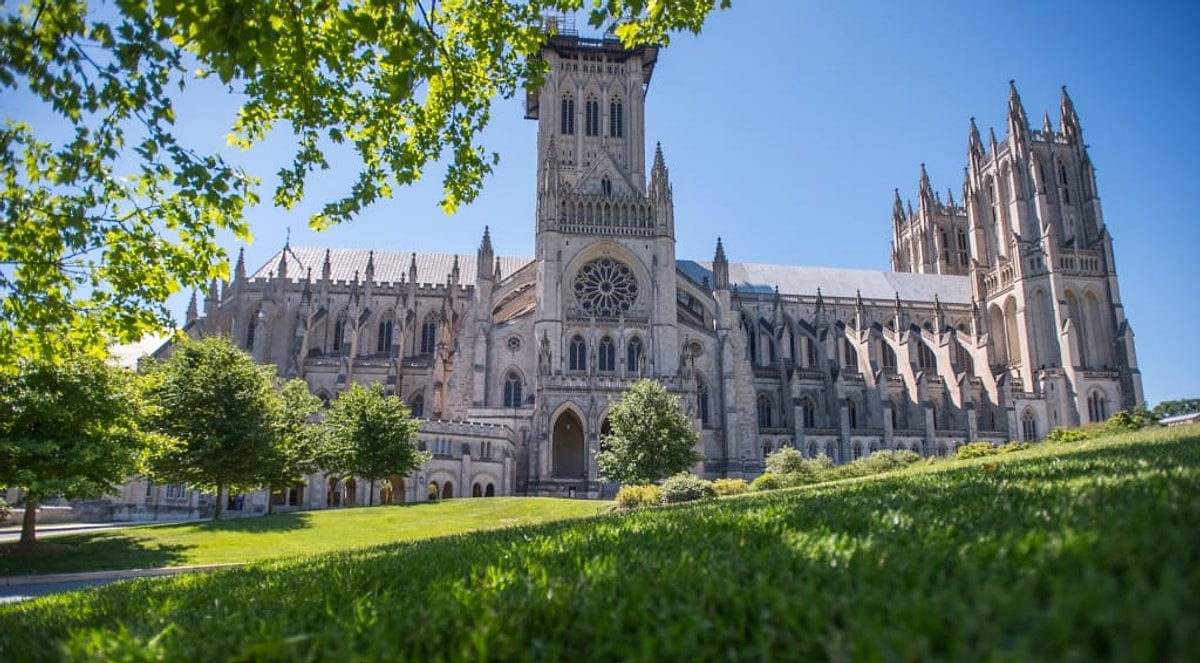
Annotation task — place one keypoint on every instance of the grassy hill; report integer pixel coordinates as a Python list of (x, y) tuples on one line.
[(1076, 551), (282, 535)]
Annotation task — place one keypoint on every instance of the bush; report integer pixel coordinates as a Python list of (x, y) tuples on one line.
[(766, 481), (1013, 446), (1063, 435), (725, 487), (633, 496), (977, 450), (785, 460), (1125, 421), (6, 511), (686, 487)]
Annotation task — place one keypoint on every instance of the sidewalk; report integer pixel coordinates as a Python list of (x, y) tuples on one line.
[(121, 574)]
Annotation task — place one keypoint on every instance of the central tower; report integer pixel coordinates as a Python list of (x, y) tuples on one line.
[(605, 252)]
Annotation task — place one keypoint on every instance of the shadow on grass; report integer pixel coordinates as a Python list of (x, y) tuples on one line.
[(275, 522), (89, 552)]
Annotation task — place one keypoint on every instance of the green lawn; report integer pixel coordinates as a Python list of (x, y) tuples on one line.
[(1081, 551), (283, 535)]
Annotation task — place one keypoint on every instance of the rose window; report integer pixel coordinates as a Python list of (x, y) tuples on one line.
[(606, 288)]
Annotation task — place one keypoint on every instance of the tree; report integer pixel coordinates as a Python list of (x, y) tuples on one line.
[(370, 435), (106, 214), (1175, 408), (299, 445), (651, 438), (67, 429), (219, 412)]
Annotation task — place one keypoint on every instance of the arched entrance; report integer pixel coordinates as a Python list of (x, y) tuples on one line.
[(351, 498), (392, 491), (447, 490), (567, 446), (434, 492)]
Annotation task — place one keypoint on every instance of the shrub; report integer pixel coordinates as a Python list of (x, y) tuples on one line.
[(731, 486), (1125, 421), (977, 450), (5, 510), (686, 487), (766, 481), (633, 496), (785, 461), (1013, 446), (1062, 435)]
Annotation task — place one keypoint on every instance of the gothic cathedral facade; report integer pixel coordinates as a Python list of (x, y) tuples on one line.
[(1001, 317)]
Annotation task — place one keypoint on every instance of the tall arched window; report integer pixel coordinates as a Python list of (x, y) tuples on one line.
[(429, 335), (751, 340), (251, 328), (810, 348), (633, 355), (384, 342), (577, 357), (606, 357), (887, 356), (1097, 407), (849, 354), (416, 406), (963, 252), (339, 334), (512, 390), (567, 121), (764, 411), (616, 120), (926, 360), (810, 413), (1029, 430), (702, 400), (852, 412), (591, 125)]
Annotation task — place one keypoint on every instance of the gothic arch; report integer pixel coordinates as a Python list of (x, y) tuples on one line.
[(387, 331), (568, 444), (1029, 425), (997, 335), (428, 333), (765, 408), (416, 404), (1011, 334), (1099, 345), (512, 387)]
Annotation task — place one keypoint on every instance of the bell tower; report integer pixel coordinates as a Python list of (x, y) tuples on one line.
[(605, 308)]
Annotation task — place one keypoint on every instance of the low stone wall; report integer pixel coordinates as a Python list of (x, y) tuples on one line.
[(45, 514)]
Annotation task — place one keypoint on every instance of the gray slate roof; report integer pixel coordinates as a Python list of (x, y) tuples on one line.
[(792, 280), (432, 268)]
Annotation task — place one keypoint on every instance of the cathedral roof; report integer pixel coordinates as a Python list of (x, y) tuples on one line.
[(390, 266), (791, 280)]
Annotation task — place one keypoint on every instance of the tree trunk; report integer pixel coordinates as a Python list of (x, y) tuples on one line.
[(220, 502), (371, 494), (29, 524), (271, 499)]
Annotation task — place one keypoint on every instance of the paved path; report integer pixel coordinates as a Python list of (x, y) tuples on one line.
[(20, 588)]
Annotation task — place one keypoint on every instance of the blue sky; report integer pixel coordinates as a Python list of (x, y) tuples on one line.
[(787, 125)]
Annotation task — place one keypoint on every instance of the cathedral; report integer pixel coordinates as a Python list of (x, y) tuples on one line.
[(1000, 320)]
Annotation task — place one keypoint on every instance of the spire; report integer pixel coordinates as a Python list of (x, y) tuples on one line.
[(484, 257), (454, 272), (283, 267), (1018, 122), (412, 270), (496, 273), (192, 309), (974, 142), (925, 197), (370, 271), (239, 271), (898, 217), (720, 268), (327, 267), (659, 178), (1047, 129), (1070, 121)]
